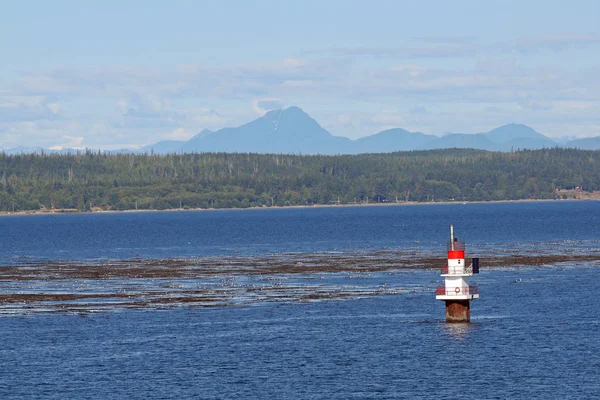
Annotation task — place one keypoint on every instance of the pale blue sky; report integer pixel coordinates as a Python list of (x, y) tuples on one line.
[(116, 74)]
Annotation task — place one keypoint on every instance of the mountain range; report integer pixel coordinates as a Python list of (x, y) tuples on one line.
[(293, 131)]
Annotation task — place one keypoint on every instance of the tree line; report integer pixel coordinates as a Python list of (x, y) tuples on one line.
[(93, 180)]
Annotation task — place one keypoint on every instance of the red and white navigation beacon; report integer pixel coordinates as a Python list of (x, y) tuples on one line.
[(456, 291)]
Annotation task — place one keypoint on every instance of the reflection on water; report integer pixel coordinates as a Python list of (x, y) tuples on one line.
[(459, 331)]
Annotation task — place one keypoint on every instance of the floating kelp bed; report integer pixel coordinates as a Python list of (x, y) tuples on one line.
[(105, 285)]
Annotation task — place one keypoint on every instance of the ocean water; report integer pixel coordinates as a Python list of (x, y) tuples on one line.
[(534, 331), (272, 231)]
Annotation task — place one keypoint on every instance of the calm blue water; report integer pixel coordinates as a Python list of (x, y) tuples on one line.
[(534, 332), (250, 232)]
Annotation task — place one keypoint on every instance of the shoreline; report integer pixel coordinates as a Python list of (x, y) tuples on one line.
[(390, 204)]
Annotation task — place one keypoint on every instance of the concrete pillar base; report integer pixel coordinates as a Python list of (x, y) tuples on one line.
[(458, 311)]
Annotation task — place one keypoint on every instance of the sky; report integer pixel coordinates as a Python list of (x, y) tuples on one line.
[(123, 74)]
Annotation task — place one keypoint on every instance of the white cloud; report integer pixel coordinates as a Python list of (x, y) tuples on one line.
[(293, 62), (456, 47), (32, 133), (138, 105), (122, 105), (19, 108), (263, 105), (411, 69), (555, 42), (299, 84), (353, 92), (53, 107), (425, 50)]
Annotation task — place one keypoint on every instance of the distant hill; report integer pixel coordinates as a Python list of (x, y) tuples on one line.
[(40, 150), (391, 140), (504, 138), (175, 146), (293, 131), (25, 150), (194, 142), (592, 143), (518, 136), (163, 147), (278, 131), (509, 132), (461, 141)]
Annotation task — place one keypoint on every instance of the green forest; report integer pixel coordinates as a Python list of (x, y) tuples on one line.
[(93, 180)]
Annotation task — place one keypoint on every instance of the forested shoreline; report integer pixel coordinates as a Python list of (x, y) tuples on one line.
[(96, 181)]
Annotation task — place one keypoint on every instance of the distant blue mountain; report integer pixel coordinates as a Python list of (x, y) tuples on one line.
[(292, 131), (278, 131), (392, 140), (186, 147), (163, 147), (509, 132), (592, 143), (460, 140), (25, 150), (504, 138), (518, 136), (40, 150), (174, 146)]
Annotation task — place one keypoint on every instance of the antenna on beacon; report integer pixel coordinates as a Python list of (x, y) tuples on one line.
[(456, 291)]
